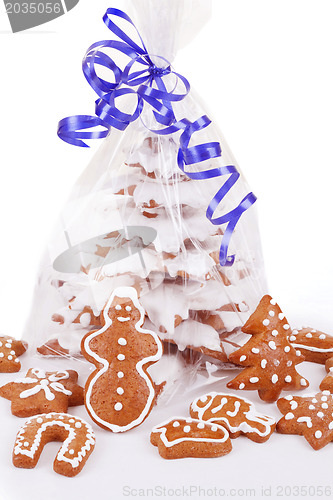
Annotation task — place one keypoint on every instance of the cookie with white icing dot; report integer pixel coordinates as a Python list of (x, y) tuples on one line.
[(269, 359), (327, 382), (181, 438), (311, 417), (75, 433), (120, 393), (43, 392), (237, 415), (315, 346), (10, 350)]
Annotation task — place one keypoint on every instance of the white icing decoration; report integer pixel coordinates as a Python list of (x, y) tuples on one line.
[(303, 382), (292, 338), (286, 326), (201, 425), (122, 341), (309, 335), (128, 308), (176, 424), (265, 322), (322, 336), (75, 435), (131, 293), (241, 386), (318, 434), (263, 363), (310, 348), (312, 407), (271, 313), (320, 414), (118, 406), (326, 393), (298, 353), (275, 378), (120, 390), (272, 345), (242, 358), (8, 345), (162, 429), (289, 416), (121, 357), (281, 316), (255, 350), (254, 380), (324, 406), (187, 428), (288, 379), (44, 383), (287, 348), (122, 319), (274, 333), (293, 405), (324, 398), (307, 420), (118, 307), (251, 415), (288, 398)]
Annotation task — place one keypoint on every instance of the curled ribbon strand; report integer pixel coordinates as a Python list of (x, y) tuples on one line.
[(148, 86)]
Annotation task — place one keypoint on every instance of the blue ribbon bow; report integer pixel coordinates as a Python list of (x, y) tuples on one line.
[(149, 88)]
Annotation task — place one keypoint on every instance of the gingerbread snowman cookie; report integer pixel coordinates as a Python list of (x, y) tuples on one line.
[(120, 393)]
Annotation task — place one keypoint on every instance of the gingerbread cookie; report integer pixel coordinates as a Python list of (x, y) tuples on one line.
[(43, 392), (10, 350), (268, 357), (315, 346), (181, 438), (311, 417), (237, 415), (120, 393), (327, 382), (77, 436)]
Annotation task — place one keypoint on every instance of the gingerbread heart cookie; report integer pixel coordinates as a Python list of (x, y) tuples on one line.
[(314, 345), (10, 350), (43, 392), (237, 415), (268, 357), (311, 417), (120, 393), (181, 438), (77, 436)]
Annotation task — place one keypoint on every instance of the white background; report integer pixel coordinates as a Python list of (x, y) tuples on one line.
[(265, 69)]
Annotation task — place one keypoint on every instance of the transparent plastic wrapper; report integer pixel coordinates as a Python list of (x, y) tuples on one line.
[(135, 219)]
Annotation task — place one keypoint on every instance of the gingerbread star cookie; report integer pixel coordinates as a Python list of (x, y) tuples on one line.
[(327, 382), (268, 357), (181, 438), (43, 392), (10, 350), (311, 417), (316, 346), (237, 415)]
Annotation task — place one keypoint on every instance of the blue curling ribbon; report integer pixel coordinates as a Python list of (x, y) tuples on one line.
[(148, 86)]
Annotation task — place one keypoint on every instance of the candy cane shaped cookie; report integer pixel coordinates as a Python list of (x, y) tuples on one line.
[(77, 436), (181, 438), (120, 393), (237, 415)]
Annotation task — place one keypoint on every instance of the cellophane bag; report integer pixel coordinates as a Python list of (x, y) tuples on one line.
[(135, 219)]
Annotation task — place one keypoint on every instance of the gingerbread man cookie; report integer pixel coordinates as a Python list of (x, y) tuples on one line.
[(327, 382), (10, 350), (120, 393), (77, 436), (311, 417), (181, 438), (314, 345), (268, 357), (43, 392), (237, 415)]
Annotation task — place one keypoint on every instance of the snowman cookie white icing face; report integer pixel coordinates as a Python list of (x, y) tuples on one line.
[(120, 393)]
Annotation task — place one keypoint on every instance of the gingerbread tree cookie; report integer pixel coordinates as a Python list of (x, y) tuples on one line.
[(120, 393), (43, 392), (311, 417), (268, 357), (10, 350), (327, 382)]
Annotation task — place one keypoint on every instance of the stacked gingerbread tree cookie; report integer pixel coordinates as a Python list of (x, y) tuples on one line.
[(150, 209)]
